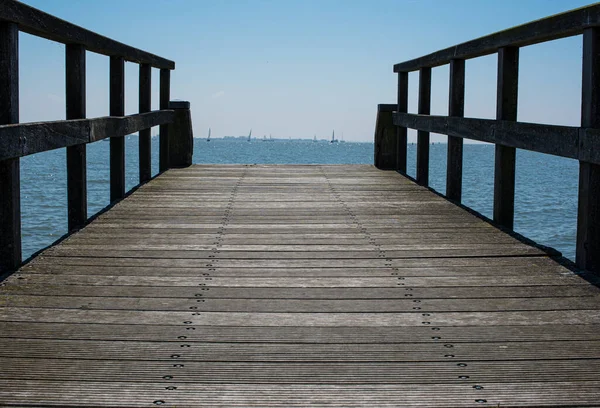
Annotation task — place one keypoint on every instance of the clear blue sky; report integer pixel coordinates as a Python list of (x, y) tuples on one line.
[(293, 68)]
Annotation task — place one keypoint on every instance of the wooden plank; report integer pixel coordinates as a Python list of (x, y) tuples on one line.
[(588, 213), (30, 138), (76, 155), (505, 156), (558, 26), (300, 305), (255, 279), (456, 108), (164, 97), (10, 181), (561, 141), (302, 334), (145, 105), (38, 23), (117, 144), (423, 136)]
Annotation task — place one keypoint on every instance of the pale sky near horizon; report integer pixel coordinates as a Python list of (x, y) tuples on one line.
[(295, 68)]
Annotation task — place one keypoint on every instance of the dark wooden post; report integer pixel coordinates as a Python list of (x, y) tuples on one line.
[(386, 140), (506, 109), (456, 107), (181, 137), (165, 95), (76, 155), (10, 182), (588, 213), (117, 144), (145, 105), (423, 137), (402, 131)]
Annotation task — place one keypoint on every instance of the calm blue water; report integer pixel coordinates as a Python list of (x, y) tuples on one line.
[(546, 192)]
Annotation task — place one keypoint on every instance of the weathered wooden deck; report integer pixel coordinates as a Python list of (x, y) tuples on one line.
[(295, 285)]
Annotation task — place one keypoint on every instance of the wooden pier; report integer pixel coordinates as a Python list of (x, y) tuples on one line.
[(251, 285), (296, 285)]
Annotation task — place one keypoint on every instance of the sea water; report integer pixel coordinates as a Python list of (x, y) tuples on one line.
[(545, 197)]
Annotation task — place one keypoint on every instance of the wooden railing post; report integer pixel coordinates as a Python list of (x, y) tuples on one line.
[(76, 155), (145, 105), (386, 140), (506, 109), (456, 107), (165, 95), (588, 214), (402, 131), (181, 137), (423, 137), (10, 182), (117, 144)]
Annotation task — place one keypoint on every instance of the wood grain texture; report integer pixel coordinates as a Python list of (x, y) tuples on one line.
[(38, 23), (562, 25), (10, 176), (256, 285)]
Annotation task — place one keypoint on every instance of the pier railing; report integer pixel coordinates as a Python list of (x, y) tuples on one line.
[(18, 140), (580, 143)]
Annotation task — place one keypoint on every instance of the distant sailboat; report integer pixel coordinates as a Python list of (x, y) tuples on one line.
[(264, 138), (250, 135), (208, 138), (270, 138), (333, 138), (342, 138), (315, 138)]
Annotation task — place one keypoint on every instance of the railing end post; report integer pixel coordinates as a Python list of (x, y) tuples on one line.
[(181, 136)]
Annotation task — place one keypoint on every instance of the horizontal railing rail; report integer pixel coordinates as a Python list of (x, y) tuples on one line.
[(564, 141), (547, 29), (579, 143), (74, 133), (35, 22), (24, 139)]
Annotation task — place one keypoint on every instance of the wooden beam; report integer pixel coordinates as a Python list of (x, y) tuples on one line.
[(145, 142), (554, 27), (38, 23), (76, 155), (564, 141), (402, 131), (505, 156), (588, 213), (29, 138), (385, 141), (423, 136), (164, 97), (181, 135), (10, 183), (456, 108), (117, 144)]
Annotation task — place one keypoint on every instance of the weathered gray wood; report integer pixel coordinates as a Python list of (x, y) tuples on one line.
[(76, 155), (456, 108), (385, 139), (423, 136), (38, 23), (402, 131), (550, 139), (164, 98), (145, 102), (268, 277), (505, 156), (181, 137), (117, 144), (588, 215), (10, 184), (30, 138), (562, 25)]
